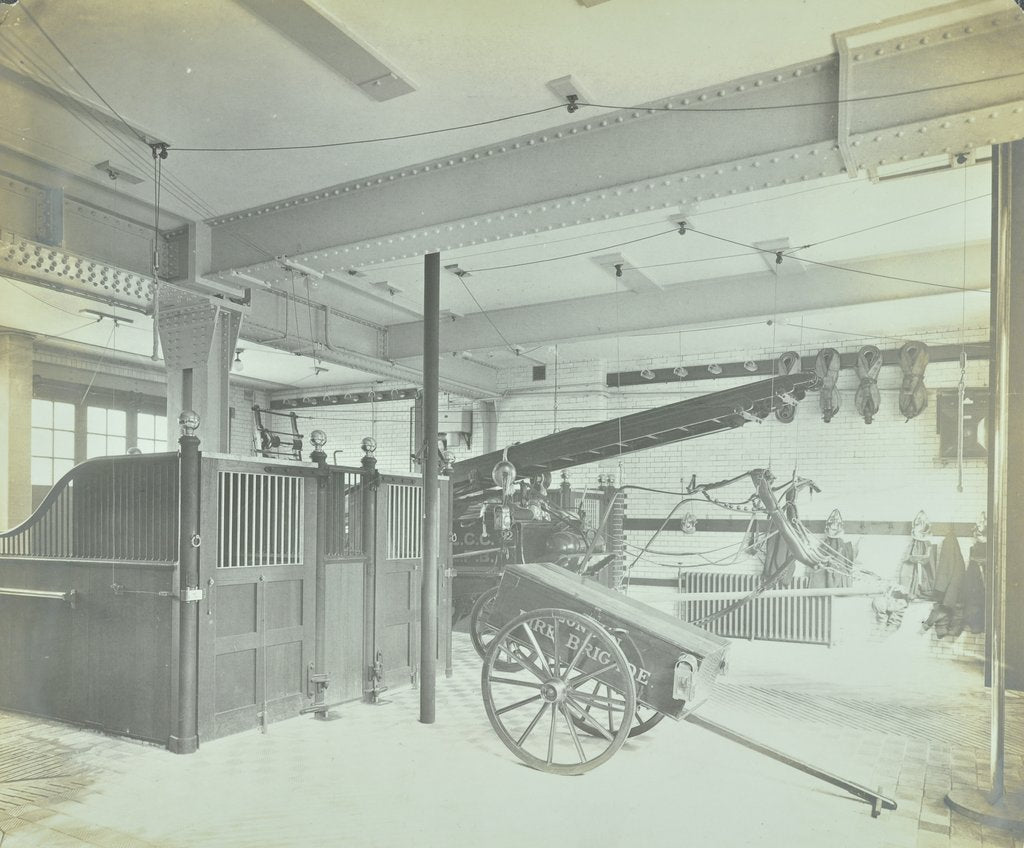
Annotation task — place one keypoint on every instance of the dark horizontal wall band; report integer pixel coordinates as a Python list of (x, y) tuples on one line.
[(344, 398), (766, 367), (852, 528)]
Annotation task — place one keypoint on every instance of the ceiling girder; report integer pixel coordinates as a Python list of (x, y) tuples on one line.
[(578, 172), (724, 299)]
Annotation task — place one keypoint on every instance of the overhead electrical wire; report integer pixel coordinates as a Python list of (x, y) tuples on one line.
[(200, 206), (73, 67), (572, 255), (773, 107), (955, 203), (176, 187), (635, 108), (570, 104), (827, 264), (484, 312), (378, 139)]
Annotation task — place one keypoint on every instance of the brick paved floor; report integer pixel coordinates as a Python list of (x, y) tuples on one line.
[(376, 777)]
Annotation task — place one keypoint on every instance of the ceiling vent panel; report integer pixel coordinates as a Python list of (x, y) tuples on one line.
[(325, 40)]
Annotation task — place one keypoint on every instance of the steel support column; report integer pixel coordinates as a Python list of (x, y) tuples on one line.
[(431, 511), (185, 739), (16, 351), (1000, 806)]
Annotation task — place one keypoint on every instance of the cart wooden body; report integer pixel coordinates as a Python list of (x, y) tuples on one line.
[(598, 661)]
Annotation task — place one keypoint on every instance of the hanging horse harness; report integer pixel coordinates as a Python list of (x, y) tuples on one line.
[(869, 363), (788, 363), (913, 394), (826, 368)]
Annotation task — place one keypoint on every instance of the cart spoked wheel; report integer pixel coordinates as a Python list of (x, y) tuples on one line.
[(644, 717), (537, 708), (481, 632)]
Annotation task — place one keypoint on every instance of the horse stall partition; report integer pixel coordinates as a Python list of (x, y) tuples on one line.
[(88, 610), (299, 610), (308, 594)]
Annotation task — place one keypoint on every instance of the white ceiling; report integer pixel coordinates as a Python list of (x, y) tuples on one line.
[(199, 74), (210, 74)]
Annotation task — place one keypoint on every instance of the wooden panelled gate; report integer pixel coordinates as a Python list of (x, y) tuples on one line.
[(308, 575)]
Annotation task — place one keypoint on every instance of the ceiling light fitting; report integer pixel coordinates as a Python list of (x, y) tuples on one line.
[(647, 374), (237, 365), (750, 365), (715, 368), (680, 371)]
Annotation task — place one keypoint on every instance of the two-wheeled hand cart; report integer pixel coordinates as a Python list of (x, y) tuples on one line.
[(572, 669)]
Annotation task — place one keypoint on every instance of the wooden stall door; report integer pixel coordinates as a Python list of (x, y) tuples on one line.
[(397, 591), (256, 639), (341, 545)]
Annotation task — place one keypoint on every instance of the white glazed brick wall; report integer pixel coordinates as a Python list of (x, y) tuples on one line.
[(242, 426), (885, 471), (388, 422)]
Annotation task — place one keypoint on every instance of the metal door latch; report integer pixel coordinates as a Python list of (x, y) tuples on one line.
[(376, 686)]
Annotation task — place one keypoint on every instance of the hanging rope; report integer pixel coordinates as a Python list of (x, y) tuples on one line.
[(961, 396), (826, 368), (867, 400), (913, 394)]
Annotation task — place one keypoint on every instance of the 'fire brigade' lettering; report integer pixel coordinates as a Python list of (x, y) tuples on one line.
[(593, 652)]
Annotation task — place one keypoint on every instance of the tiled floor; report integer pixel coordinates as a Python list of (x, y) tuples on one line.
[(376, 777)]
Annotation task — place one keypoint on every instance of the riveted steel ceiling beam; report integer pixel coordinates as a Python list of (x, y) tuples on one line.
[(957, 88), (739, 297)]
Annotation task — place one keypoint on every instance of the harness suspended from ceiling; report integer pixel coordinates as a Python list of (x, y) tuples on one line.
[(826, 368), (913, 394), (867, 400), (787, 364)]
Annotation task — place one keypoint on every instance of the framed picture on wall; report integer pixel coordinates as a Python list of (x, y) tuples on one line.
[(975, 422)]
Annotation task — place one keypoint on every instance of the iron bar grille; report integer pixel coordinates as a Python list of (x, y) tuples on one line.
[(405, 521), (591, 503), (111, 508), (807, 620), (344, 532), (260, 519)]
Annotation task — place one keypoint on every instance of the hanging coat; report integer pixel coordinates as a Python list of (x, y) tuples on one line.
[(947, 615), (975, 603), (917, 571), (949, 573)]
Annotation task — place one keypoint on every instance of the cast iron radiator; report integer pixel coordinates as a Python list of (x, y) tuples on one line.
[(807, 620)]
